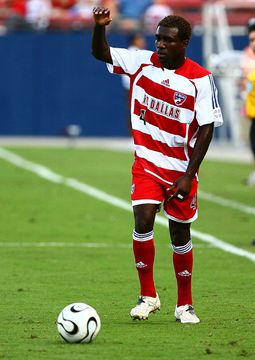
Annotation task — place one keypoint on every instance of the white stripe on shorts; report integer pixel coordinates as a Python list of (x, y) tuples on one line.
[(182, 221), (145, 201)]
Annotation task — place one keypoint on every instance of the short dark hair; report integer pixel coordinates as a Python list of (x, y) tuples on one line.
[(251, 25), (175, 21)]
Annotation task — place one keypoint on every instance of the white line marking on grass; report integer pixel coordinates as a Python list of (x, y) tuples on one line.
[(210, 239), (226, 202), (49, 244), (47, 174)]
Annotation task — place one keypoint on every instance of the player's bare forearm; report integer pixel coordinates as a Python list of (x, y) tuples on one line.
[(204, 137), (183, 183), (100, 47)]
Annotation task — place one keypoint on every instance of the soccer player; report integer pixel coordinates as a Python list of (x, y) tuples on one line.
[(250, 93), (174, 109)]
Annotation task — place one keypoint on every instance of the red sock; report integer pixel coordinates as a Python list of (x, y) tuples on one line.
[(144, 252), (183, 263)]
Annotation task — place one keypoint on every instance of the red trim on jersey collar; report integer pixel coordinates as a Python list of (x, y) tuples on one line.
[(189, 69), (192, 70)]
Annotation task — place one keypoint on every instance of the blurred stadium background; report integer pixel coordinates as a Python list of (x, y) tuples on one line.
[(63, 240), (50, 81)]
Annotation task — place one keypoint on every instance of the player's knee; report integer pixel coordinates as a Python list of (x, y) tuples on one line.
[(179, 233), (143, 226)]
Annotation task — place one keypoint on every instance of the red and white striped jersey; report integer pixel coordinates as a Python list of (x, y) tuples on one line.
[(167, 108)]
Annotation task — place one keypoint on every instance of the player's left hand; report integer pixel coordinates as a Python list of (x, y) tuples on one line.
[(182, 187)]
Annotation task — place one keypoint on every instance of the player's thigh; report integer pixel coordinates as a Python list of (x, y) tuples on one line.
[(146, 190), (144, 217), (146, 195)]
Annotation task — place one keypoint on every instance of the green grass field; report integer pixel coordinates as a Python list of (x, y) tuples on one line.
[(45, 263)]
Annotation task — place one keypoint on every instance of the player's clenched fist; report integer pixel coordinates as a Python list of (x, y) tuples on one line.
[(102, 16)]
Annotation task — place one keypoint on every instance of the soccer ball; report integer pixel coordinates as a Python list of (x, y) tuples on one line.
[(78, 323)]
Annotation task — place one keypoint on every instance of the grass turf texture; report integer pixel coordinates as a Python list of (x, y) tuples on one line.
[(37, 282)]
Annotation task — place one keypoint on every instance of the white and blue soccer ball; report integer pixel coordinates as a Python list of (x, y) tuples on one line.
[(78, 323)]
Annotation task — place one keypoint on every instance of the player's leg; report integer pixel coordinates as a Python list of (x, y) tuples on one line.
[(147, 195), (143, 246), (251, 178), (183, 265), (252, 137), (181, 214), (144, 253), (182, 260)]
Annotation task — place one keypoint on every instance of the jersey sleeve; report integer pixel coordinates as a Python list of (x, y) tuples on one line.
[(128, 61), (207, 105)]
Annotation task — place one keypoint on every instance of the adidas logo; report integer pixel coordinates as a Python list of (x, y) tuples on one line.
[(140, 265), (165, 82), (184, 273)]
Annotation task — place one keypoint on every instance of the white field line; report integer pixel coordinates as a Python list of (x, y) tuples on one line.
[(49, 175), (54, 244), (226, 202)]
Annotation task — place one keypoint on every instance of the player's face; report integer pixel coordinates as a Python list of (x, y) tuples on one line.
[(169, 46), (252, 40)]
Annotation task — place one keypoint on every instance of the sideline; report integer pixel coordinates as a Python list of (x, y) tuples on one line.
[(49, 175)]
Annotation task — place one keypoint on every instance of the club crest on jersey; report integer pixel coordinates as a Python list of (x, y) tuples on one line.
[(193, 204), (179, 98)]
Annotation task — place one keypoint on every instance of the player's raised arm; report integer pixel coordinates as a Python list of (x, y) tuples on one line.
[(100, 47)]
